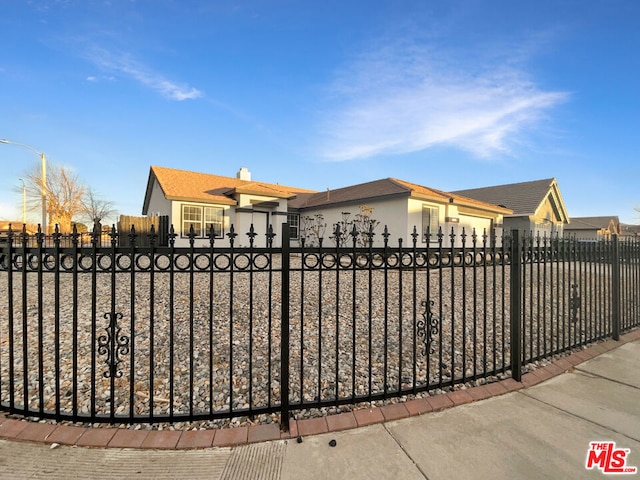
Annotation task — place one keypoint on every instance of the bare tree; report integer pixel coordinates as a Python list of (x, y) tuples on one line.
[(64, 194), (312, 229), (95, 208)]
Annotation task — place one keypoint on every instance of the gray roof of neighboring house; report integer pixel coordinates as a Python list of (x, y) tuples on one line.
[(523, 198), (591, 223), (626, 228)]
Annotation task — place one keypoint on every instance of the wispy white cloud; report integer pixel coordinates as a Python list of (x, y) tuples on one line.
[(408, 97), (124, 64)]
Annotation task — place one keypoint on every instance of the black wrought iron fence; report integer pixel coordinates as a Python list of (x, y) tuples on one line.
[(159, 333)]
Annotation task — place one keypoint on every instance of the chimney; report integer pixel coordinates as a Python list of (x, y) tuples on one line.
[(244, 174)]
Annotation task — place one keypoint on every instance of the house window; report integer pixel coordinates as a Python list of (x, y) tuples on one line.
[(293, 219), (429, 223), (202, 219)]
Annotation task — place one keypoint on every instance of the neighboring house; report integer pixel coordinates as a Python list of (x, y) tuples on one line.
[(202, 201), (593, 228), (537, 206), (16, 227), (629, 231)]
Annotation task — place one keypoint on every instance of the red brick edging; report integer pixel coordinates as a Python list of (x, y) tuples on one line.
[(22, 430)]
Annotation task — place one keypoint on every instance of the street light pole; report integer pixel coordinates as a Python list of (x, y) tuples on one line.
[(24, 202), (43, 180)]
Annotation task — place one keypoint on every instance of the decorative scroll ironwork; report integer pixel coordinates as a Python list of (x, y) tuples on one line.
[(113, 345), (574, 303), (427, 328)]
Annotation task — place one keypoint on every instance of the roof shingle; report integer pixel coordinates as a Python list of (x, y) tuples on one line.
[(592, 223), (523, 198)]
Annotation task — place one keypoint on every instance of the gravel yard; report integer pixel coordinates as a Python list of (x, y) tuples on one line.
[(209, 342)]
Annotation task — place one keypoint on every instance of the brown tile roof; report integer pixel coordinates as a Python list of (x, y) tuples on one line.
[(384, 188), (434, 194), (361, 192), (194, 186), (523, 198)]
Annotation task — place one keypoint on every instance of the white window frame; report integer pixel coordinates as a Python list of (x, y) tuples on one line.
[(203, 217), (293, 219), (430, 218)]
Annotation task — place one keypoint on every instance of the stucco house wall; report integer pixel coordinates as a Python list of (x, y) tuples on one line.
[(391, 212)]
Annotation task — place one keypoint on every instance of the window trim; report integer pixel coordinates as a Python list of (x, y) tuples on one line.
[(296, 226), (434, 219), (204, 224)]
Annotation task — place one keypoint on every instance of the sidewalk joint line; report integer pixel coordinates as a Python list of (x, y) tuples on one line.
[(580, 370), (577, 416), (422, 472)]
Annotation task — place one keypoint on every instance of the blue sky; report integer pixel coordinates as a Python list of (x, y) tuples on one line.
[(448, 94)]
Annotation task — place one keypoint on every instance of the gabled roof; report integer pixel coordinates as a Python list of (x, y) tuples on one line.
[(524, 198), (194, 186), (593, 223), (386, 188)]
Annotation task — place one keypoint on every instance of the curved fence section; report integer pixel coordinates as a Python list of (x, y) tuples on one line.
[(108, 333)]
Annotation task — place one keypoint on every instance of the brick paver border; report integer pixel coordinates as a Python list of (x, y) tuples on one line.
[(22, 430)]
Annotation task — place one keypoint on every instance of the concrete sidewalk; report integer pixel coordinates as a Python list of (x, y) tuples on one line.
[(540, 431)]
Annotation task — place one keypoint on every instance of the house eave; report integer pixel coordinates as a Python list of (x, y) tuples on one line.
[(357, 201), (213, 200)]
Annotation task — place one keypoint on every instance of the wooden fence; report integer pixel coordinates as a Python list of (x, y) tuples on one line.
[(142, 226)]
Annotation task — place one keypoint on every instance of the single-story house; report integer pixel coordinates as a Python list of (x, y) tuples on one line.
[(203, 201), (629, 231), (537, 206), (593, 228)]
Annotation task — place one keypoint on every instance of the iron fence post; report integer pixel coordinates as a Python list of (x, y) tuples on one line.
[(615, 288), (284, 329), (515, 307)]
